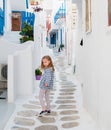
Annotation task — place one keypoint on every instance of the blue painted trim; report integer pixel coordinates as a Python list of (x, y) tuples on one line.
[(57, 35), (2, 18), (61, 36), (4, 10), (27, 4), (1, 22)]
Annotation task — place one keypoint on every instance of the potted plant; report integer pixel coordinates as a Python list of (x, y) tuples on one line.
[(26, 33), (61, 46), (37, 9), (38, 74)]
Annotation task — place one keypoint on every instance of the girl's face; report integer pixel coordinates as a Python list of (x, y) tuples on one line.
[(45, 62)]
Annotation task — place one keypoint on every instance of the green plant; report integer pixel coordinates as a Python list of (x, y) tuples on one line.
[(38, 72), (26, 33), (61, 45)]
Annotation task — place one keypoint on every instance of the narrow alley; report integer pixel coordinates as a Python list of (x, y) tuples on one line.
[(66, 104), (76, 34)]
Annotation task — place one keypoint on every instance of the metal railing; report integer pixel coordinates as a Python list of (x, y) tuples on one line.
[(61, 13)]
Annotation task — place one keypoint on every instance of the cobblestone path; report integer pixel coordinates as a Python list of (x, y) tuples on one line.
[(65, 114)]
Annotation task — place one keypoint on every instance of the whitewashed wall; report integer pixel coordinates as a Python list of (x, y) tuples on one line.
[(37, 39), (20, 74), (94, 65), (19, 58), (1, 4), (7, 48), (18, 5)]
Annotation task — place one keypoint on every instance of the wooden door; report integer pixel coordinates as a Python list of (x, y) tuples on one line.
[(16, 21)]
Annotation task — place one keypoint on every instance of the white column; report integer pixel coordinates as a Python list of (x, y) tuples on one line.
[(37, 40), (11, 88), (7, 15), (69, 31)]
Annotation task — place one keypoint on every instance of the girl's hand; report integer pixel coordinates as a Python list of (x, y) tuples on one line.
[(46, 84)]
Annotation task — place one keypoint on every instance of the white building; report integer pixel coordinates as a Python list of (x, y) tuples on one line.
[(92, 59)]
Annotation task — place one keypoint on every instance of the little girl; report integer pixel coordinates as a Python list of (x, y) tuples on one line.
[(46, 84)]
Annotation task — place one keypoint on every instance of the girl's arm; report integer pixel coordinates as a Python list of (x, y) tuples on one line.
[(48, 77)]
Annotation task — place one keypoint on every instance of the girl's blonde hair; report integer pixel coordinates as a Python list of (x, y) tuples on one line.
[(50, 64)]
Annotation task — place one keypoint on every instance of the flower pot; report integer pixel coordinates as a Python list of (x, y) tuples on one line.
[(38, 77)]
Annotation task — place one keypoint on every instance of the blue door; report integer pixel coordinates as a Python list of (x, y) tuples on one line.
[(53, 38)]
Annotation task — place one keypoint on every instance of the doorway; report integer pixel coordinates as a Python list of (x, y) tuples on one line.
[(53, 39), (16, 21)]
